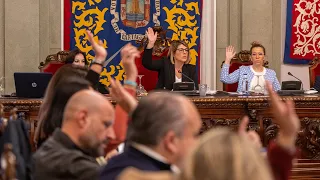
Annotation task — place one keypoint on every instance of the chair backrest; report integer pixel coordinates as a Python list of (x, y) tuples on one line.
[(160, 50), (53, 62), (314, 70), (240, 59)]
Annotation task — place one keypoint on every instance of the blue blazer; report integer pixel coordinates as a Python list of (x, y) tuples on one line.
[(131, 157), (238, 75)]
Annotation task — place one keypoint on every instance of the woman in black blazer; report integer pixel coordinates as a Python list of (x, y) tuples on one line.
[(173, 68)]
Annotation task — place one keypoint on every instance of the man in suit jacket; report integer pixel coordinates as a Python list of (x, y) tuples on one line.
[(163, 129)]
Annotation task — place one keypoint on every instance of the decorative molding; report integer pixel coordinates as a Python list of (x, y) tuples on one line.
[(308, 140), (208, 123)]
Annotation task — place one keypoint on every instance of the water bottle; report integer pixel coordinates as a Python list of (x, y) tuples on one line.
[(245, 84)]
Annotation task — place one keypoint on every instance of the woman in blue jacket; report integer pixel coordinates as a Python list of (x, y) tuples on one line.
[(256, 74)]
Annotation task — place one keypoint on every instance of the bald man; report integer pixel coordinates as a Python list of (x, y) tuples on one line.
[(71, 152)]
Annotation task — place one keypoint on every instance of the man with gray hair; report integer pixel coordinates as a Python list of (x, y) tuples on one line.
[(163, 129)]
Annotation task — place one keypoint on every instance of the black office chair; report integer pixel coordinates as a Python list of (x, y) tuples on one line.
[(291, 85)]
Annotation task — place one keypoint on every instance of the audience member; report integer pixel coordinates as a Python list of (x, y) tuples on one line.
[(65, 72), (256, 74), (62, 94), (163, 128), (70, 152), (171, 68), (76, 57)]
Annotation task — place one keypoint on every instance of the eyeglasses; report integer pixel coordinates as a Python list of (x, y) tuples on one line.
[(183, 50)]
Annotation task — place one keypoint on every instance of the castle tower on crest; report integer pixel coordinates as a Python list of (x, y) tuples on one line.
[(135, 7)]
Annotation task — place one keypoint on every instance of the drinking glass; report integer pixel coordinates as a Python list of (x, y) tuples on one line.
[(203, 89), (258, 88), (140, 89)]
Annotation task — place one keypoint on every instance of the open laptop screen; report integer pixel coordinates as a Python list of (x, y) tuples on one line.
[(31, 85)]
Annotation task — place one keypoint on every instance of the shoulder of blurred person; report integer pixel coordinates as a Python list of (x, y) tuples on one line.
[(135, 174), (59, 157)]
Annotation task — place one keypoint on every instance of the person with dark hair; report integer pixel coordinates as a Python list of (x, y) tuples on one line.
[(162, 130), (61, 96), (170, 69), (76, 57), (256, 75), (65, 72)]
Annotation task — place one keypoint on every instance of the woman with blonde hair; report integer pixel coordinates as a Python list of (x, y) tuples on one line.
[(223, 154), (171, 69)]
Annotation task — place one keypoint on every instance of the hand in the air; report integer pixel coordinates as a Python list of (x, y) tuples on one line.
[(122, 96), (99, 50), (230, 52), (128, 55), (152, 37)]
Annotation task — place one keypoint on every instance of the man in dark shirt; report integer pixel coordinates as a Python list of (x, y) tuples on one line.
[(70, 153), (162, 130)]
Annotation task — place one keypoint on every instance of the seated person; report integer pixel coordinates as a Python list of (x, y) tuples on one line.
[(76, 57), (71, 152), (256, 74), (171, 68), (163, 129)]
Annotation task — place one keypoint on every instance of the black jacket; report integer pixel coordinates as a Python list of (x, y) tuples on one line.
[(166, 71), (60, 158), (16, 133), (131, 157)]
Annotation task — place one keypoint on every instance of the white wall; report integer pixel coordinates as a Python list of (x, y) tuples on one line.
[(29, 31), (208, 39), (300, 71)]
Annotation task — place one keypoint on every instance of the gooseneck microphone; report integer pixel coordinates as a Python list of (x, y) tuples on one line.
[(290, 74), (194, 85)]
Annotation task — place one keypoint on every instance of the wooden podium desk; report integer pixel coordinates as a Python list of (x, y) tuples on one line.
[(225, 111)]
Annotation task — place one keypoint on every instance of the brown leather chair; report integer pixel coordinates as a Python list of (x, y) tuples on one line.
[(53, 62), (240, 59)]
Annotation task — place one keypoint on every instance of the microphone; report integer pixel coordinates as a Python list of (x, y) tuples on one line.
[(290, 74), (194, 85)]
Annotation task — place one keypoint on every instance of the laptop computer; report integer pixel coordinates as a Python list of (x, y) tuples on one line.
[(31, 85)]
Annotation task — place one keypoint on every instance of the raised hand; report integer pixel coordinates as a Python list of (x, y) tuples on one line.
[(128, 55), (122, 97), (230, 52), (99, 50), (152, 37), (252, 136), (286, 117)]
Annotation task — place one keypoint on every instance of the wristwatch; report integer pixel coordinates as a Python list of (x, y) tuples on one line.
[(96, 62)]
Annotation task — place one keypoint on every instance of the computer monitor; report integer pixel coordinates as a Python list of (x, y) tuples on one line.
[(31, 85)]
